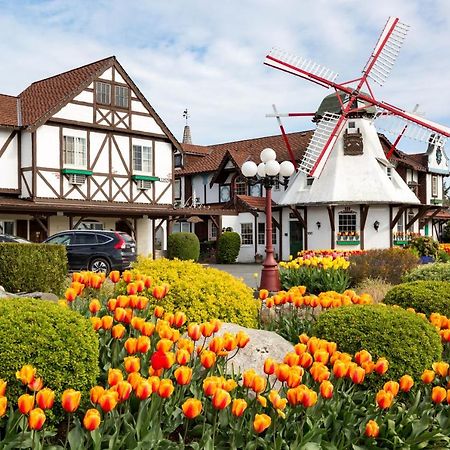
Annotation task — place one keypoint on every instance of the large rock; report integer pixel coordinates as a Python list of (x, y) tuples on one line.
[(263, 344)]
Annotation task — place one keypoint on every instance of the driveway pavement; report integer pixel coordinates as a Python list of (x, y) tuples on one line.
[(245, 271)]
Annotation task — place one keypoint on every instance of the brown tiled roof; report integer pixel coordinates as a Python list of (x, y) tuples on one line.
[(248, 149), (43, 96), (196, 149), (417, 161), (8, 110), (444, 214), (254, 203)]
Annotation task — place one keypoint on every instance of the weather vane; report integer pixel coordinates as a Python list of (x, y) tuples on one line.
[(186, 115)]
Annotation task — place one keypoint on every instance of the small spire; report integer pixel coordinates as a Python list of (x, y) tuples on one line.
[(187, 139)]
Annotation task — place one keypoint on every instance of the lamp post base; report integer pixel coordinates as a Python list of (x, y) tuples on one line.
[(270, 277)]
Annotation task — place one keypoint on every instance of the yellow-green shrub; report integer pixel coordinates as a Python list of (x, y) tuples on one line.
[(202, 293)]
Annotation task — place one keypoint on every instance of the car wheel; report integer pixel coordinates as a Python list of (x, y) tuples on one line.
[(99, 265)]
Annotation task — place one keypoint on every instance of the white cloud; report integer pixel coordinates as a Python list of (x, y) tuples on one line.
[(207, 56)]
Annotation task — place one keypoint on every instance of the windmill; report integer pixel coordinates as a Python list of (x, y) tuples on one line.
[(353, 99)]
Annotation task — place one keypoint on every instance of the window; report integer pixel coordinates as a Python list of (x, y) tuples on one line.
[(309, 181), (121, 97), (262, 233), (240, 186), (142, 159), (347, 222), (213, 232), (74, 151), (401, 224), (389, 172), (177, 189), (247, 233), (179, 227), (224, 193), (85, 239), (63, 239), (177, 160), (7, 227), (90, 225), (255, 190), (434, 186), (103, 93)]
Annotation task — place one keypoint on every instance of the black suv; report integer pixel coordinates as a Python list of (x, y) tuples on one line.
[(96, 250)]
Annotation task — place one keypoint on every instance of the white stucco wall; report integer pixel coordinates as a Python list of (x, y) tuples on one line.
[(144, 236), (9, 162), (163, 170)]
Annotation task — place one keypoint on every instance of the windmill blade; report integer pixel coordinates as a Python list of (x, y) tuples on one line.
[(386, 51), (285, 138), (305, 68), (321, 144)]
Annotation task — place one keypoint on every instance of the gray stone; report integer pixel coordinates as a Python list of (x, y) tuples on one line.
[(41, 295), (262, 345)]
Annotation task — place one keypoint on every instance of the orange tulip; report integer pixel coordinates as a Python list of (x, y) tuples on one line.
[(406, 383), (132, 364), (326, 389), (210, 385), (147, 329), (124, 389), (263, 294), (70, 400), (131, 346), (306, 360), (340, 369), (438, 394), (362, 357), (94, 306), (95, 393), (107, 322), (269, 366), (192, 407), (217, 324), (108, 401), (294, 376), (182, 356), (118, 331), (26, 374), (357, 374), (3, 385), (96, 323), (183, 375), (238, 407), (140, 286), (179, 319), (441, 368), (91, 419), (114, 276), (242, 339), (372, 429), (247, 378), (384, 399), (261, 422), (143, 344), (277, 401), (309, 398), (159, 311), (292, 359), (36, 419), (70, 294), (321, 356), (45, 398), (127, 276), (262, 400), (123, 301), (258, 384), (158, 292), (427, 376), (221, 399), (165, 388), (207, 329), (229, 342), (25, 403), (3, 406), (154, 383), (194, 331), (207, 359), (36, 384), (143, 390), (114, 376), (381, 366), (131, 289), (392, 387), (148, 282)]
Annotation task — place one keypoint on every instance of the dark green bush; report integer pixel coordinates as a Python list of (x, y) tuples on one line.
[(60, 343), (183, 246), (446, 232), (410, 343), (228, 247), (429, 272), (387, 264), (424, 296), (425, 246), (33, 267), (443, 256)]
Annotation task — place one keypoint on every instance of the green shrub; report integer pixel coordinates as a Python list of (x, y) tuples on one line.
[(388, 264), (183, 246), (443, 256), (202, 293), (228, 247), (425, 246), (429, 272), (410, 343), (424, 296), (33, 267), (446, 232), (60, 343)]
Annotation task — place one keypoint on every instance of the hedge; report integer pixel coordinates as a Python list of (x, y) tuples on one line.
[(424, 296), (228, 247), (201, 293), (33, 267), (183, 246), (409, 342), (59, 342), (429, 272)]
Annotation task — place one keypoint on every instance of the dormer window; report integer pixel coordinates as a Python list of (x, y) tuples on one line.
[(240, 186), (177, 160), (103, 93)]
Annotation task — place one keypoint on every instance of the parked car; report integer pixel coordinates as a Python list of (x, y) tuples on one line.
[(11, 238), (96, 250)]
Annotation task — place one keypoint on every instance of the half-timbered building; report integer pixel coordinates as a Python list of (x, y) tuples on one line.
[(85, 148)]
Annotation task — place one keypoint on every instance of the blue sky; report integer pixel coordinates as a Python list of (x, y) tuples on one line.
[(207, 55)]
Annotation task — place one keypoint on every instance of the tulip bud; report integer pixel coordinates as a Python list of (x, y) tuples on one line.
[(70, 400), (45, 398), (165, 388), (108, 401), (91, 419), (36, 419), (438, 394), (221, 399), (26, 374), (406, 383), (192, 408), (372, 429), (183, 375), (114, 376), (3, 406), (132, 364), (261, 422), (25, 403), (95, 393)]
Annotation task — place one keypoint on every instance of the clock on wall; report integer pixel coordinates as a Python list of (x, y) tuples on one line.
[(438, 155), (353, 143)]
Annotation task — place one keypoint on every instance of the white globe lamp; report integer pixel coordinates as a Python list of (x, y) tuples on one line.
[(268, 154), (272, 168), (286, 169), (249, 169), (261, 170)]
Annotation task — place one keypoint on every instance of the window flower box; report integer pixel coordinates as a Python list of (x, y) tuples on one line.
[(349, 242)]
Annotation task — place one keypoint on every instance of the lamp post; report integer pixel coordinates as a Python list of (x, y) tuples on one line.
[(265, 174)]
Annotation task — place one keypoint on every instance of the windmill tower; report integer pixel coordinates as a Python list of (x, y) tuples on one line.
[(344, 166)]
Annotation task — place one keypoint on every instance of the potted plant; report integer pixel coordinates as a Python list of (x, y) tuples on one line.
[(259, 258), (426, 247)]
